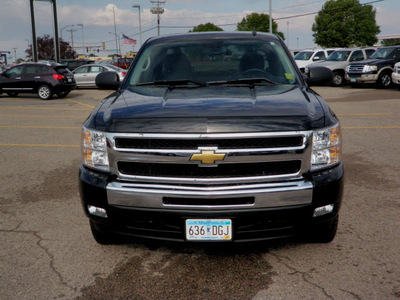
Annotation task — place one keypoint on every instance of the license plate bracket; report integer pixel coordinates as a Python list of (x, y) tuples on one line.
[(208, 229)]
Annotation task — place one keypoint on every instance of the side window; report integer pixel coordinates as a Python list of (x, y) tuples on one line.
[(369, 52), (30, 70), (81, 70), (14, 72), (96, 69), (42, 69), (320, 55), (357, 56)]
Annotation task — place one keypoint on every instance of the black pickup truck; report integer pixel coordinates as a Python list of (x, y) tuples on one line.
[(212, 137)]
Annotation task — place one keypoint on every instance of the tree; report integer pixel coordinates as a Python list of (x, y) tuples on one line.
[(258, 22), (391, 42), (45, 46), (206, 27), (345, 23)]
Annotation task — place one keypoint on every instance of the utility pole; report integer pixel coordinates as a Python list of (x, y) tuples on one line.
[(15, 55), (158, 11), (270, 16)]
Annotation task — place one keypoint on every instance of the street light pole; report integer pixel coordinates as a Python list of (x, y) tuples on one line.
[(83, 40), (63, 29), (270, 16), (140, 23)]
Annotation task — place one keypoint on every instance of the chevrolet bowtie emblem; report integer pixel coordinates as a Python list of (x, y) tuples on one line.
[(208, 157)]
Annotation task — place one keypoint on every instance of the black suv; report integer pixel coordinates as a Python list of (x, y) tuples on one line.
[(377, 69), (41, 78)]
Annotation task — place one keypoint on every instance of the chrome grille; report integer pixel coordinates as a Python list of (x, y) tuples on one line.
[(356, 68), (167, 157)]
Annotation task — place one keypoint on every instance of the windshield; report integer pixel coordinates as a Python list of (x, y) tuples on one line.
[(339, 56), (385, 53), (213, 60), (303, 55)]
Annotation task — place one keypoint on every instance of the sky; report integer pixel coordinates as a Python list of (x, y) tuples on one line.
[(97, 19)]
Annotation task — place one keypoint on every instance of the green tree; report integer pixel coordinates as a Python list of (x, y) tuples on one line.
[(390, 42), (206, 27), (345, 23), (258, 22), (45, 46)]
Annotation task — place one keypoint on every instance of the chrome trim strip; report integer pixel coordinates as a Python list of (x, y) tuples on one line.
[(267, 195)]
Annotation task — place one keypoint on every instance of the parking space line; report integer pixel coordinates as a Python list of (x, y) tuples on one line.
[(373, 127), (44, 108), (40, 145), (41, 116), (80, 103), (40, 127), (366, 114)]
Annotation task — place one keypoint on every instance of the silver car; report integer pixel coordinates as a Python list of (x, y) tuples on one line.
[(85, 76)]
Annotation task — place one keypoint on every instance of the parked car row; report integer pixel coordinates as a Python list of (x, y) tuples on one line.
[(47, 79), (361, 65)]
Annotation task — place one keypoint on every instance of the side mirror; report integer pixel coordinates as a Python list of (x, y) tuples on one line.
[(316, 58), (318, 75), (108, 80)]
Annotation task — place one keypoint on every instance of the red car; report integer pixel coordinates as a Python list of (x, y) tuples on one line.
[(123, 63)]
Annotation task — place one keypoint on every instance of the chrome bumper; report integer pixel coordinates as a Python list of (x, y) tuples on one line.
[(266, 195)]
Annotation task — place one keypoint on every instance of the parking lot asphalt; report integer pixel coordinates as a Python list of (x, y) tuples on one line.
[(47, 251)]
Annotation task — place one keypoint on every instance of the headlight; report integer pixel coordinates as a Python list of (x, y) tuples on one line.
[(327, 147), (348, 69), (368, 68), (94, 149)]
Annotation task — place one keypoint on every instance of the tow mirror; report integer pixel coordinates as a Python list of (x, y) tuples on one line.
[(318, 75), (108, 80)]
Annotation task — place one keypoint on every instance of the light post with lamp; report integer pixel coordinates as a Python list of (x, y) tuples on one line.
[(83, 40), (140, 23)]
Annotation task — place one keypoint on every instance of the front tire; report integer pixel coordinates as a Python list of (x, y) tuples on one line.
[(44, 92), (338, 78), (385, 80)]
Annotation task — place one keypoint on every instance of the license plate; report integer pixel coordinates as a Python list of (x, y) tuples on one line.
[(353, 79), (209, 229), (69, 80)]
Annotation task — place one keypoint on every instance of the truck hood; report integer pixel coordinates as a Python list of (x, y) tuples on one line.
[(211, 109), (332, 65), (374, 62)]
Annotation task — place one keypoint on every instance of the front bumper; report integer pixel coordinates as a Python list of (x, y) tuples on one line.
[(396, 77), (361, 78), (277, 212)]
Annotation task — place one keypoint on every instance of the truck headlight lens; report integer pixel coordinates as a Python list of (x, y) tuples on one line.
[(327, 147), (368, 68), (94, 149)]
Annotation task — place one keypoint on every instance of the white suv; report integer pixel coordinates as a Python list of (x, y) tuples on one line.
[(306, 57), (396, 74)]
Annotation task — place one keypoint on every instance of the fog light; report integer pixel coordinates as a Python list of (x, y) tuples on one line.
[(97, 211), (323, 210)]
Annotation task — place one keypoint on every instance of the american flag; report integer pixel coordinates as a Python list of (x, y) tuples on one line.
[(128, 40)]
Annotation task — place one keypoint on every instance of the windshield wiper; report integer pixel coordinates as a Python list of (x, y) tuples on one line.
[(248, 81), (173, 83)]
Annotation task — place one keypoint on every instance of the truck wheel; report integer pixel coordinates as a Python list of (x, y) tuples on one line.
[(102, 236), (44, 92), (385, 80), (326, 232), (338, 78)]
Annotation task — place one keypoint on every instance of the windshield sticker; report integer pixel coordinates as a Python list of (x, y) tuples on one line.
[(289, 76)]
